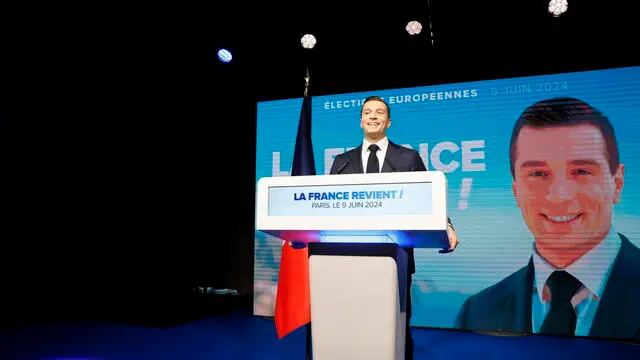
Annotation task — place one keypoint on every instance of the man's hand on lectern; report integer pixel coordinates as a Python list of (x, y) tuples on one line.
[(453, 239)]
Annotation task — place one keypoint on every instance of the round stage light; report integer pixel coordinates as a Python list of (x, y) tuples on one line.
[(224, 55), (308, 41), (413, 28), (558, 7)]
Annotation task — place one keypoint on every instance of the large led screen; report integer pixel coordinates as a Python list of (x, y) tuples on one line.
[(540, 178)]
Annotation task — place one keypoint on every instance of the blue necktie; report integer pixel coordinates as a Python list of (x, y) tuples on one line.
[(373, 166), (561, 318)]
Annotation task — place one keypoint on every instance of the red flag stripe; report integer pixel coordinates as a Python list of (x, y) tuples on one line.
[(292, 299)]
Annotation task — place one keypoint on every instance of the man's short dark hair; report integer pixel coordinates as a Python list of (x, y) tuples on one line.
[(565, 111), (376, 98)]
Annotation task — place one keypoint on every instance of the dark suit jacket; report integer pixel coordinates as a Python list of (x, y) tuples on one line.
[(506, 306), (397, 159)]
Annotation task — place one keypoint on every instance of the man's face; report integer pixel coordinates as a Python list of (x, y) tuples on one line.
[(564, 186), (374, 120)]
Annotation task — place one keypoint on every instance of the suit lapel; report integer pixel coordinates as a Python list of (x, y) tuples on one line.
[(618, 314), (515, 307), (356, 160), (390, 157)]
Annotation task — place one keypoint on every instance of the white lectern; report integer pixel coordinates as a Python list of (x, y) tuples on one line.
[(356, 226)]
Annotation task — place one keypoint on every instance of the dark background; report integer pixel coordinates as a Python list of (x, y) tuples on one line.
[(127, 148)]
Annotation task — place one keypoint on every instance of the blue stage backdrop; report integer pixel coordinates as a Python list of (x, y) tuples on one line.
[(464, 130)]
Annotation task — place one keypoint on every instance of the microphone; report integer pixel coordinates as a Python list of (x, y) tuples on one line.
[(342, 167)]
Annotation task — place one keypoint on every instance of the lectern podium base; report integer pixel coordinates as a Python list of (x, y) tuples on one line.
[(358, 301)]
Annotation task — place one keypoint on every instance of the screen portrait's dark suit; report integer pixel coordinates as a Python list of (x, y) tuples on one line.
[(506, 306), (397, 159)]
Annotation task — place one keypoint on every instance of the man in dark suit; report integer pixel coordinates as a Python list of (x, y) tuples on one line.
[(583, 277), (378, 154)]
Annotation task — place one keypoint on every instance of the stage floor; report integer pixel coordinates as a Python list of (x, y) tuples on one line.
[(240, 335)]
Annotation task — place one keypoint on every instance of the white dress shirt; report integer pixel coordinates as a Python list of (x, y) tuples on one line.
[(383, 144)]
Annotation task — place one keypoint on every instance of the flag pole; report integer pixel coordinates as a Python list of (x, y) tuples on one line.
[(307, 77), (309, 352)]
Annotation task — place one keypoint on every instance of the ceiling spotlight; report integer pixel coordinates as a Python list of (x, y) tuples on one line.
[(558, 7), (308, 41), (413, 28), (224, 55)]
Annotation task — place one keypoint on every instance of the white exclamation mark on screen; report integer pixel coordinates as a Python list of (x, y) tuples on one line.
[(465, 189)]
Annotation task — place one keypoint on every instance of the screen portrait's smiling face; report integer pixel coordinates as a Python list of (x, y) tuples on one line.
[(564, 186)]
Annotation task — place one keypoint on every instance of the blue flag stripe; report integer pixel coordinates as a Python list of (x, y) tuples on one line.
[(303, 162)]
